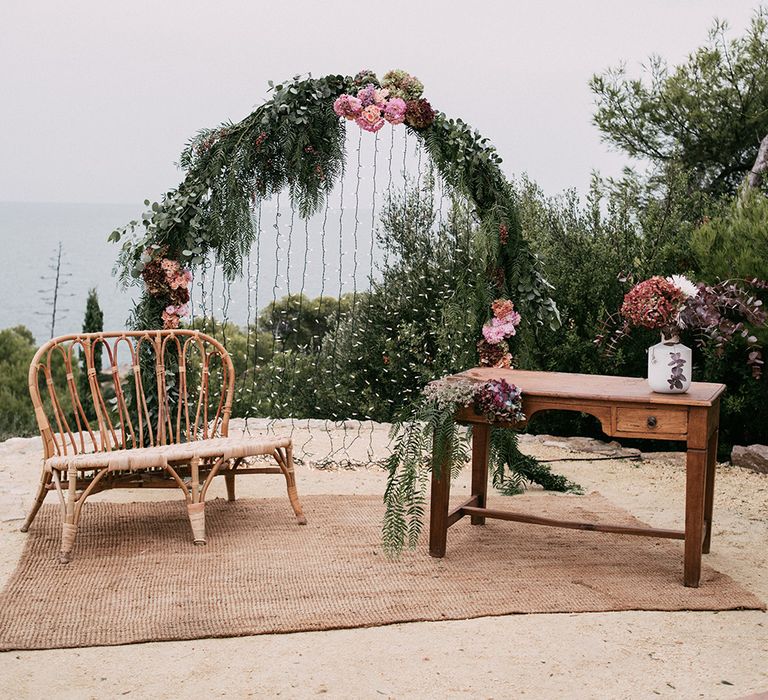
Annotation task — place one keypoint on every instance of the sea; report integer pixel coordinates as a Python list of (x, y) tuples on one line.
[(332, 253)]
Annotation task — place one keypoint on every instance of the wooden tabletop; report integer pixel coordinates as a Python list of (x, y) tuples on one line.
[(595, 387)]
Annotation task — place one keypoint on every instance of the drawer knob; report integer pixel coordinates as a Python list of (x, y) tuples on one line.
[(652, 421)]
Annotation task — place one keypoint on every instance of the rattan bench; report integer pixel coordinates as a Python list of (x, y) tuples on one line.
[(160, 420)]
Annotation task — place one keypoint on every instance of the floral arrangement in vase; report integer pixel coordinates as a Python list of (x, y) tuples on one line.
[(715, 314), (166, 278), (493, 348), (395, 99)]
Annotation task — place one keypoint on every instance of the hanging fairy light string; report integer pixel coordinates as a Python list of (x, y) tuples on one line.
[(252, 288), (275, 285), (284, 326), (315, 399), (357, 342), (226, 300), (368, 317)]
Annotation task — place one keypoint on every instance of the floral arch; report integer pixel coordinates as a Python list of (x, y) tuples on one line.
[(295, 142)]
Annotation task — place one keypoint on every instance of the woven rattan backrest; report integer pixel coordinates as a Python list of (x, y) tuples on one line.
[(168, 386)]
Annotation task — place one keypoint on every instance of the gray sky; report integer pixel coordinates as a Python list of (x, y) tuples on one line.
[(98, 97)]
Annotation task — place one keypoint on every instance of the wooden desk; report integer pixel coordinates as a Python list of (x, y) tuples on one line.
[(625, 407)]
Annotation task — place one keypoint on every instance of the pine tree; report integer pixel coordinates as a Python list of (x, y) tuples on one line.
[(92, 323)]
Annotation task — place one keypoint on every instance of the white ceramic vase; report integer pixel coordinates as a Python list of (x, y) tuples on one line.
[(669, 366)]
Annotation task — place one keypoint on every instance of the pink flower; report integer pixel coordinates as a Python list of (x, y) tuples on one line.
[(494, 334), (170, 320), (169, 266), (503, 324), (370, 119), (380, 97), (372, 113), (394, 111), (348, 106)]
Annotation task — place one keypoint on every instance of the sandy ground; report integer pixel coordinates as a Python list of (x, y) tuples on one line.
[(600, 655)]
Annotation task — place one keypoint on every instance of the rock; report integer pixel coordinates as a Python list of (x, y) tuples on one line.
[(590, 445), (754, 457)]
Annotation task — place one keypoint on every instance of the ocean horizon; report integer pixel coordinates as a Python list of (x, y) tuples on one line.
[(291, 255)]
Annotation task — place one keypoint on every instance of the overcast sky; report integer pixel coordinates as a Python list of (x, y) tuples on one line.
[(97, 97)]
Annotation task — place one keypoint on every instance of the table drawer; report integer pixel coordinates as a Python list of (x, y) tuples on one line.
[(652, 420)]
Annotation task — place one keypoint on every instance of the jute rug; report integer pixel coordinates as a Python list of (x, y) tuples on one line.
[(137, 576)]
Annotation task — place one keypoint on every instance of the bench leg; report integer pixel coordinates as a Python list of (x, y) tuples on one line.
[(229, 479), (69, 525), (709, 491), (284, 459), (42, 491), (195, 504), (68, 535), (196, 513), (696, 466)]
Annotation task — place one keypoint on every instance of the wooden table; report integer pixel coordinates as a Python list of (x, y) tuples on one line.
[(626, 408)]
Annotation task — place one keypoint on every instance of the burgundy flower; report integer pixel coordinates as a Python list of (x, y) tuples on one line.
[(419, 114), (654, 303), (493, 355)]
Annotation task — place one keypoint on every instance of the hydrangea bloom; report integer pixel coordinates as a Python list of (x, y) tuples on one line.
[(348, 106), (419, 114), (370, 119), (459, 392), (498, 400), (403, 85), (364, 77), (493, 355), (394, 112), (654, 304), (503, 324), (371, 95), (397, 99)]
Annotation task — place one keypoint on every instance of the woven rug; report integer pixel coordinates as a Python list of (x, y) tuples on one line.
[(137, 576)]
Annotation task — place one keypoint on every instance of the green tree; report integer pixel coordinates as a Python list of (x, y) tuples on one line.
[(626, 230), (93, 322), (300, 323), (707, 115), (17, 347)]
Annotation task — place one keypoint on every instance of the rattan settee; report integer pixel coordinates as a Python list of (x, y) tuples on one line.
[(157, 416)]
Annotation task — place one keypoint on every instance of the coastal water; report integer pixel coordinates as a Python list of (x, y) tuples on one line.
[(331, 254)]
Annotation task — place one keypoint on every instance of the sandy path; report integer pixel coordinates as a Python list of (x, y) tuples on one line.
[(628, 654)]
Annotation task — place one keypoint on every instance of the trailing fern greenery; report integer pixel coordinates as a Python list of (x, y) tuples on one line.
[(431, 440)]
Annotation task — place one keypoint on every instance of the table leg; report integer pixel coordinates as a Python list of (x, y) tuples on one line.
[(695, 478), (438, 511), (709, 490), (480, 433)]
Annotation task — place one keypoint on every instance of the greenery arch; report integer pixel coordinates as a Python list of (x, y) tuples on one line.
[(295, 141)]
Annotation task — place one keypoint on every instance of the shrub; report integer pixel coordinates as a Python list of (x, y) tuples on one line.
[(17, 346), (735, 244), (627, 231)]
